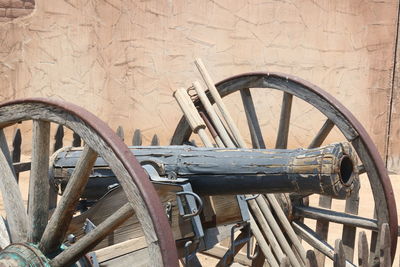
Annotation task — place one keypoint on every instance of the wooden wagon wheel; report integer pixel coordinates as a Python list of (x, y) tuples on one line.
[(337, 115), (37, 240)]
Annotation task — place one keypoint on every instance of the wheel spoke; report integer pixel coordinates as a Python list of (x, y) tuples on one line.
[(61, 218), (38, 203), (14, 206), (4, 235), (255, 131), (89, 241), (309, 236), (322, 134), (349, 231), (283, 130), (336, 217)]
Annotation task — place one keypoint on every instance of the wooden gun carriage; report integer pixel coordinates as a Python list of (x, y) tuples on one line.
[(120, 206)]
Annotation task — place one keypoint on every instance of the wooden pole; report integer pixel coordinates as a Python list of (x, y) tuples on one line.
[(218, 100)]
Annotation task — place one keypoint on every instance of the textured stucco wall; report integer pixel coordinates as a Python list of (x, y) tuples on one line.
[(123, 59)]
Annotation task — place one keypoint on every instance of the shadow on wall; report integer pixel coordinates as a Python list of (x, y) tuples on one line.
[(12, 9)]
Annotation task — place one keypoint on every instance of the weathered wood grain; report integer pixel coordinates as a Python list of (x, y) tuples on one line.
[(89, 241), (257, 138), (58, 138), (277, 230), (266, 230), (248, 171), (13, 204), (212, 114), (339, 258), (269, 256), (220, 104), (322, 134), (38, 205), (191, 114), (363, 251), (59, 221), (137, 138), (284, 121), (384, 245), (311, 260), (4, 234), (24, 111)]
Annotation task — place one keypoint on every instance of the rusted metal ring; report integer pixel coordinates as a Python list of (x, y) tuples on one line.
[(139, 177), (283, 81)]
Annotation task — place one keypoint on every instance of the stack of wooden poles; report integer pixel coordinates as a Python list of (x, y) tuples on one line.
[(267, 217)]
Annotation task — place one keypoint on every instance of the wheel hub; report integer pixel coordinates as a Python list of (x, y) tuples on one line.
[(22, 254)]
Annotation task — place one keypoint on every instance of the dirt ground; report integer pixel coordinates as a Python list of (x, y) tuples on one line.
[(366, 209)]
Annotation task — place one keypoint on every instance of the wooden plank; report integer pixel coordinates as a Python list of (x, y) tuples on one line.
[(384, 242), (363, 251), (38, 205), (225, 210), (155, 141), (137, 138), (58, 224), (140, 258), (252, 121), (120, 132), (339, 258), (113, 251), (58, 138), (12, 199), (284, 121), (219, 251)]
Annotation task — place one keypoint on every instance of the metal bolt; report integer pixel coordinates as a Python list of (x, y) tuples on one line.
[(71, 238)]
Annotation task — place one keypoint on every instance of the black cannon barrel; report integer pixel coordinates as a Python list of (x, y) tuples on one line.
[(329, 170)]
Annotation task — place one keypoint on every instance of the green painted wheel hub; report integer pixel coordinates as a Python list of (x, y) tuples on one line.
[(21, 255)]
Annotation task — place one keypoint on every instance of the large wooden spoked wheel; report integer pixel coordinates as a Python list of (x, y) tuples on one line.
[(31, 232), (336, 115)]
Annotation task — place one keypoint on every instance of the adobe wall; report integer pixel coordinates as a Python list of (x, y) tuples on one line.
[(123, 59)]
